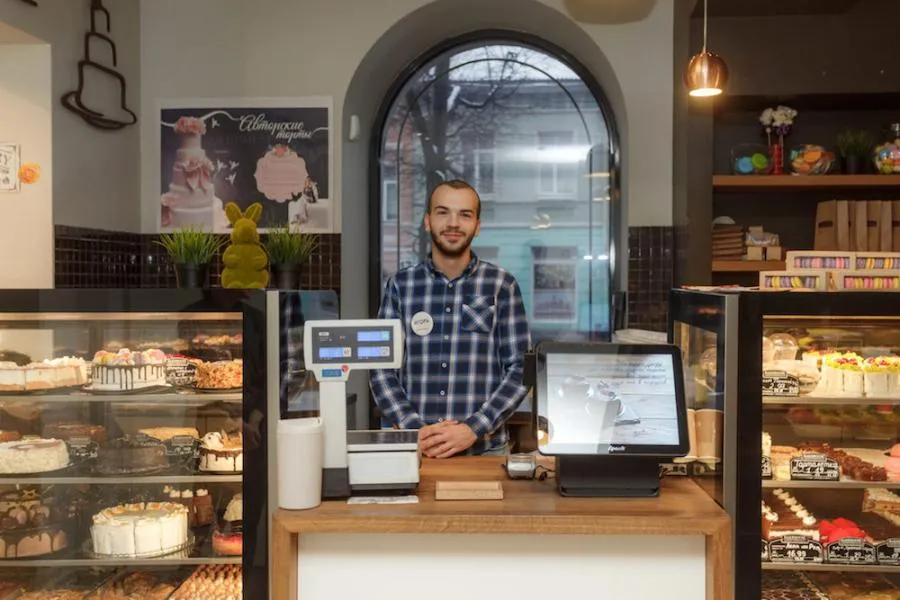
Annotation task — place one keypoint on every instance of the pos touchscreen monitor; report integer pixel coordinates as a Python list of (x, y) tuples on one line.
[(610, 400)]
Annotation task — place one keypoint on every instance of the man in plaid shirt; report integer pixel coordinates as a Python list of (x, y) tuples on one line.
[(466, 338)]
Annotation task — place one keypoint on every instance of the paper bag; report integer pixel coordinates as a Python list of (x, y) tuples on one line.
[(833, 226)]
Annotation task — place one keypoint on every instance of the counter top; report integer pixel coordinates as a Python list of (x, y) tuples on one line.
[(528, 507)]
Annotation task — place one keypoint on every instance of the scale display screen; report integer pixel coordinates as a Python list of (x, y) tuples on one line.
[(347, 345)]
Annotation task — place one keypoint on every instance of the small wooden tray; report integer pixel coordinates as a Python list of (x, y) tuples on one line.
[(468, 490)]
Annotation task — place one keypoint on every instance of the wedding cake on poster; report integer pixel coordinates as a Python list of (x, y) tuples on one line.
[(191, 199)]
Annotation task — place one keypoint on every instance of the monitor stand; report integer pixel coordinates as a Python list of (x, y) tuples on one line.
[(608, 476)]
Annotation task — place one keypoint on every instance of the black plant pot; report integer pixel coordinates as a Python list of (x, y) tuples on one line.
[(853, 165), (285, 276), (191, 276)]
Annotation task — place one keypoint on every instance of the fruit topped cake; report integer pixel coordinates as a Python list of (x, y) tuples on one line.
[(126, 370), (229, 539)]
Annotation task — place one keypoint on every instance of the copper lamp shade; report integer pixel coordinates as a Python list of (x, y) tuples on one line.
[(706, 74)]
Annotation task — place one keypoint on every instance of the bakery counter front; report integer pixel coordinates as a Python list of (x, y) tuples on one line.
[(527, 541)]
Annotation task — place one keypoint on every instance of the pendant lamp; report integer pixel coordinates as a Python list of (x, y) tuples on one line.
[(706, 73)]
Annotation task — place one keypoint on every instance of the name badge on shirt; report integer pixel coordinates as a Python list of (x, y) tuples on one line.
[(422, 323)]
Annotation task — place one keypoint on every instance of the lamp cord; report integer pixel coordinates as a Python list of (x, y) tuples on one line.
[(704, 26)]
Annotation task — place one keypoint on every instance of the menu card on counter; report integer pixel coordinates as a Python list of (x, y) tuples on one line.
[(888, 552), (851, 551), (815, 467), (780, 383), (795, 548)]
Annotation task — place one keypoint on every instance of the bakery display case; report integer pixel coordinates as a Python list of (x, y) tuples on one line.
[(816, 409), (133, 445)]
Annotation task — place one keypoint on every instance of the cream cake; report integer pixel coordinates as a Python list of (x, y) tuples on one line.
[(140, 529), (228, 540), (790, 517), (220, 451), (33, 456), (220, 375), (126, 370), (62, 372)]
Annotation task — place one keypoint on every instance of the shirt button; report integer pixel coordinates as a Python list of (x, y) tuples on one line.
[(448, 309), (444, 365), (442, 392), (450, 286), (446, 337)]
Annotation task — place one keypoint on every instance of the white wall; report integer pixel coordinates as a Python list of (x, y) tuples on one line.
[(26, 243), (97, 172), (272, 48)]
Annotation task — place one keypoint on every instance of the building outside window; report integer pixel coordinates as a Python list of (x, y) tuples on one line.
[(534, 138)]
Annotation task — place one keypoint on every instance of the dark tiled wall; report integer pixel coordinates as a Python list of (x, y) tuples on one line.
[(651, 274), (87, 258), (95, 258)]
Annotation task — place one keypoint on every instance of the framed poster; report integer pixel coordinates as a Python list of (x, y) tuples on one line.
[(10, 158), (277, 152)]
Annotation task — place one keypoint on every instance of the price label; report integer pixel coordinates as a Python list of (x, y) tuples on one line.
[(766, 467), (815, 467), (795, 549), (888, 552), (180, 371), (779, 383), (851, 551), (182, 445), (765, 551), (82, 447)]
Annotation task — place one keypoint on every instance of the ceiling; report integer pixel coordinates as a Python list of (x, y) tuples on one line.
[(767, 8)]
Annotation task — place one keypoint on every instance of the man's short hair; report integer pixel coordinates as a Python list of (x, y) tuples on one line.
[(457, 184)]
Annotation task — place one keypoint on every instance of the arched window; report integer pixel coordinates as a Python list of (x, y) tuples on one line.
[(519, 123)]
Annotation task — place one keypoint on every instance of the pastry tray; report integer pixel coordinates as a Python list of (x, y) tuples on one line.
[(182, 551)]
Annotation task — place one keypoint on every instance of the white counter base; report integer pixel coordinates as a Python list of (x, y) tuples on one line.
[(453, 566)]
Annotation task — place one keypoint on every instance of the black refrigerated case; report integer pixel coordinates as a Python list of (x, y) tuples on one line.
[(806, 388), (160, 398)]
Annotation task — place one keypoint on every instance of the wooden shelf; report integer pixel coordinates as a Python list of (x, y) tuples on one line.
[(746, 266), (803, 181)]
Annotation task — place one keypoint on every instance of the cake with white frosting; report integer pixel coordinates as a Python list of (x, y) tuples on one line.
[(220, 451), (33, 456), (49, 374), (126, 370), (140, 529)]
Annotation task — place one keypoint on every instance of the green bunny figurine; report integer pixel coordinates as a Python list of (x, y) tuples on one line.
[(245, 260)]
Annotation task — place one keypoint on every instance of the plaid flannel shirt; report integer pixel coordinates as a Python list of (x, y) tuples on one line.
[(469, 367)]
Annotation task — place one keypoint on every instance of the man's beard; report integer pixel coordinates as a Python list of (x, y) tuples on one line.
[(448, 251)]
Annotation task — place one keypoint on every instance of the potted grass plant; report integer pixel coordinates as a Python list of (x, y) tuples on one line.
[(288, 250), (854, 147), (191, 251)]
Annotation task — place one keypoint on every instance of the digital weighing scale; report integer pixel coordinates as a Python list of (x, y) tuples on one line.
[(358, 461)]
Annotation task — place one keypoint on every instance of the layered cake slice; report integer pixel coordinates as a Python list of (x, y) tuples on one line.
[(223, 452), (791, 517)]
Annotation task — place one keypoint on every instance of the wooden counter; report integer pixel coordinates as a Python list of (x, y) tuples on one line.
[(528, 507)]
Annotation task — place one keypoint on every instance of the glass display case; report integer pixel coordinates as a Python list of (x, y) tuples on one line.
[(133, 446), (816, 407)]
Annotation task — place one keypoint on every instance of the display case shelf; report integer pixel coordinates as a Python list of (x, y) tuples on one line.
[(116, 562), (830, 400), (150, 399), (138, 480), (777, 182), (777, 566), (843, 484)]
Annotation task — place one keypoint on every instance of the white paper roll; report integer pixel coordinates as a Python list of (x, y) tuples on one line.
[(300, 456)]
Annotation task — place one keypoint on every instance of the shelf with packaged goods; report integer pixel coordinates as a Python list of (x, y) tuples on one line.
[(133, 398), (843, 484), (801, 566), (119, 562), (830, 400), (138, 480)]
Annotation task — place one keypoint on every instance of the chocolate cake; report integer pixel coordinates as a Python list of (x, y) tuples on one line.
[(127, 455), (70, 430)]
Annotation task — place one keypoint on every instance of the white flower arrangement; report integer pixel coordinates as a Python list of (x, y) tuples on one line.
[(780, 119)]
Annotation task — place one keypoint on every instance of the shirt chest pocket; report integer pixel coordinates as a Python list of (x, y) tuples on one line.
[(478, 314)]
